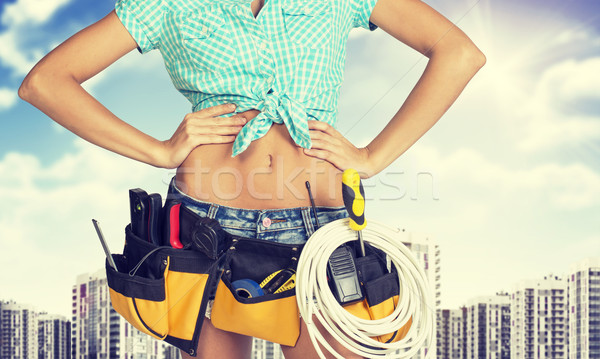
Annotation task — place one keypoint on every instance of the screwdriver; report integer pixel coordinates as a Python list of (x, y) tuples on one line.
[(354, 201)]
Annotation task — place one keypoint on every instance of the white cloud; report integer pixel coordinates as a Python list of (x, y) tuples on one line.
[(553, 132), (45, 217), (555, 112), (13, 57), (577, 35), (570, 35), (18, 18), (30, 11), (8, 97), (570, 187), (570, 80), (23, 16), (133, 60), (539, 113)]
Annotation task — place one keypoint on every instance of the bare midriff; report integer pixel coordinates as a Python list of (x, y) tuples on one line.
[(270, 173)]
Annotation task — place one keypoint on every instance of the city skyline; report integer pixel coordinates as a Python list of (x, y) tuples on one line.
[(557, 316)]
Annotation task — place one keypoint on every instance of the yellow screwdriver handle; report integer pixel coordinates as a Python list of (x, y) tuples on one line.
[(354, 198)]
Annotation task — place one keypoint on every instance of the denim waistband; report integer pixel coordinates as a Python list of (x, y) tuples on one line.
[(259, 220)]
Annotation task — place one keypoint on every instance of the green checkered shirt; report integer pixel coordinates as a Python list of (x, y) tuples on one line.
[(288, 62)]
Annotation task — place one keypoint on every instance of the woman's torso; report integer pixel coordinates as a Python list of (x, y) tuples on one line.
[(286, 58), (270, 173)]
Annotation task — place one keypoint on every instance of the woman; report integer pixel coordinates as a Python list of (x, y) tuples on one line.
[(281, 62)]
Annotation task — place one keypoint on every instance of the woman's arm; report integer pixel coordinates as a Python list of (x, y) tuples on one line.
[(54, 87), (453, 61)]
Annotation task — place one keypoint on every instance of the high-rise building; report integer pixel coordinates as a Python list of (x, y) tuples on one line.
[(584, 309), (488, 327), (262, 349), (171, 352), (98, 331), (539, 318), (428, 255), (442, 318), (54, 337), (18, 331), (451, 333)]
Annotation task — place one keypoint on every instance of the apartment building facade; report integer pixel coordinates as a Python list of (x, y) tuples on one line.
[(54, 337), (539, 318), (488, 327), (18, 331), (584, 309), (451, 333)]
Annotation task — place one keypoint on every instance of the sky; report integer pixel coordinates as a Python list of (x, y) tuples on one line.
[(507, 183)]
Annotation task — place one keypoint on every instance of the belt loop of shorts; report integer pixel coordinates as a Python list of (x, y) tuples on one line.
[(212, 211), (307, 215)]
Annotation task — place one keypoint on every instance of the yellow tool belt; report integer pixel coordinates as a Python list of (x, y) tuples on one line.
[(164, 291)]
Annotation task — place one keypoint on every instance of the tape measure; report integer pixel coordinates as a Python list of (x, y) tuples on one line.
[(277, 282)]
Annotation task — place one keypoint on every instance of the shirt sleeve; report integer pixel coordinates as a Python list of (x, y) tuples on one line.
[(143, 20), (362, 12)]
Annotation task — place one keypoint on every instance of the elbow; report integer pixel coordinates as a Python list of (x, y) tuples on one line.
[(478, 59), (461, 52), (29, 86), (37, 84), (42, 82), (472, 57)]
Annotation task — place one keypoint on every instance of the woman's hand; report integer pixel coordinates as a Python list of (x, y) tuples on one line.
[(201, 128), (330, 145)]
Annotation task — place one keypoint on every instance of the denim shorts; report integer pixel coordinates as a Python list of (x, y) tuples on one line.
[(284, 225)]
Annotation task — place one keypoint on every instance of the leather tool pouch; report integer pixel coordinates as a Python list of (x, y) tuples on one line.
[(381, 289), (164, 291), (273, 317)]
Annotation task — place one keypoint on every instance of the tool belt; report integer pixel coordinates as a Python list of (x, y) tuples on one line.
[(163, 289)]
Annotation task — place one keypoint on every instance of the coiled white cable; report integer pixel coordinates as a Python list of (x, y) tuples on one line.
[(415, 299)]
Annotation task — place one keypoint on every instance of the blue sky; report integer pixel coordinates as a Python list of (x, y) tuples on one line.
[(511, 188)]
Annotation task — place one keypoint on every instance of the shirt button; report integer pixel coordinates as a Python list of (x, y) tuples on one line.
[(262, 46), (267, 222)]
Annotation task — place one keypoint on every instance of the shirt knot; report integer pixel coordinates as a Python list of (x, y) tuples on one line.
[(275, 108)]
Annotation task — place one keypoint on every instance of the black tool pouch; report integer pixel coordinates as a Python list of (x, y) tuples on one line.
[(162, 291), (270, 316), (381, 290)]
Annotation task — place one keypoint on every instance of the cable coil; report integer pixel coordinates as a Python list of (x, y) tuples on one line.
[(315, 298)]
